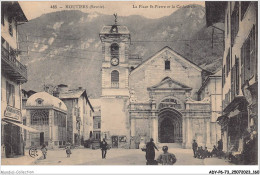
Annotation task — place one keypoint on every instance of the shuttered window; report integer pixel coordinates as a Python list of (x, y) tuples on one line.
[(237, 75), (248, 57), (115, 79), (10, 94), (228, 62), (234, 23)]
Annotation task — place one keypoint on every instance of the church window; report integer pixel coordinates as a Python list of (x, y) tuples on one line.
[(167, 65), (114, 50), (115, 79), (40, 117)]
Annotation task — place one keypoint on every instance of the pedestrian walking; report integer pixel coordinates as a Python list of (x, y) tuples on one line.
[(166, 158), (150, 152), (44, 151), (68, 149), (103, 146), (220, 145), (194, 148)]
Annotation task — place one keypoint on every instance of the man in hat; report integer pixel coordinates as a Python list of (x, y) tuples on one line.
[(103, 146), (166, 158), (194, 148)]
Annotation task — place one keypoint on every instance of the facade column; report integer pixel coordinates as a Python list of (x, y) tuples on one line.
[(155, 129), (189, 133), (208, 142), (51, 142), (133, 121), (183, 131)]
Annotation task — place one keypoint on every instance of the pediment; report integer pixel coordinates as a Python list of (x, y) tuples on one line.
[(168, 83)]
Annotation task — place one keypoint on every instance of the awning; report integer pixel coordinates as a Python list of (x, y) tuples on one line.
[(22, 126)]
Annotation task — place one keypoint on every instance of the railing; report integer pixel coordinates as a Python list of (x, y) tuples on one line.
[(11, 59), (114, 84)]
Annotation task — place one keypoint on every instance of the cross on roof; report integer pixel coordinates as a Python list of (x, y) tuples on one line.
[(115, 15)]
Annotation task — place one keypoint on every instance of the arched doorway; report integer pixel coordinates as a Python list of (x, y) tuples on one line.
[(169, 126)]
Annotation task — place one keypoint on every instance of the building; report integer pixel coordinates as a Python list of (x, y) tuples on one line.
[(80, 113), (13, 74), (96, 119), (239, 73), (157, 98), (48, 115), (211, 88), (25, 96)]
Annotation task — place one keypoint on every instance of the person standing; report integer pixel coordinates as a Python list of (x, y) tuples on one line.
[(44, 151), (220, 145), (194, 148), (103, 146), (150, 153), (166, 158), (68, 149)]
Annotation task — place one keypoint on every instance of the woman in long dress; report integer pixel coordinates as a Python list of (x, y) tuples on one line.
[(150, 152)]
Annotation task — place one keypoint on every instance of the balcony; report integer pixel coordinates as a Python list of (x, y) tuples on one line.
[(238, 102), (12, 67)]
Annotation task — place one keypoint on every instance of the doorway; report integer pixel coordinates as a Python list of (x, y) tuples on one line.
[(167, 131), (169, 126), (114, 141), (41, 138)]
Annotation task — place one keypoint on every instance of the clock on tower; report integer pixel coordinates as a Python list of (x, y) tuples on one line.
[(115, 69), (115, 93)]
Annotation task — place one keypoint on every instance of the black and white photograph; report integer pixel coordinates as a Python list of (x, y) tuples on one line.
[(130, 83)]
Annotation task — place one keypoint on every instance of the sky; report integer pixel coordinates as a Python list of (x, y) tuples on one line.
[(148, 9)]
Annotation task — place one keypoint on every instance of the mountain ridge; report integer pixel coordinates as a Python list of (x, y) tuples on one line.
[(70, 47)]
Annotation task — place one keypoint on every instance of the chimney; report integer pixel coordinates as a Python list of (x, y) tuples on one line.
[(62, 88)]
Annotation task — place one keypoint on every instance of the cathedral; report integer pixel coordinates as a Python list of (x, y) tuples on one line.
[(166, 97)]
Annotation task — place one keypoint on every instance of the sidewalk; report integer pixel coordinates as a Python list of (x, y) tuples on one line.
[(21, 160), (216, 161)]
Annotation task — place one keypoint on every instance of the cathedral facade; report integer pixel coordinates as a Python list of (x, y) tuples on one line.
[(157, 98)]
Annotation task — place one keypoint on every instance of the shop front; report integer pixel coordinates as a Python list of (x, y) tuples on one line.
[(12, 133)]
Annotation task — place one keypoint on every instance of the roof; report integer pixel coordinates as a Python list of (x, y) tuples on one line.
[(218, 74), (44, 99), (72, 93), (169, 83), (114, 29), (14, 9), (62, 85), (172, 51), (75, 93), (215, 12)]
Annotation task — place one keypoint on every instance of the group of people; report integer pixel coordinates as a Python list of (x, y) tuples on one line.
[(67, 148), (103, 146), (165, 158), (199, 152)]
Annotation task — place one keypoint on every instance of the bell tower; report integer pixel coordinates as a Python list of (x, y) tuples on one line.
[(115, 69), (115, 123)]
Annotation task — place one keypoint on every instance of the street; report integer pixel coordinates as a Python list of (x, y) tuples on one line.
[(114, 157)]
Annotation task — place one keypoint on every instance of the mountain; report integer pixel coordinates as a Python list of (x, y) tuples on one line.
[(64, 47)]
